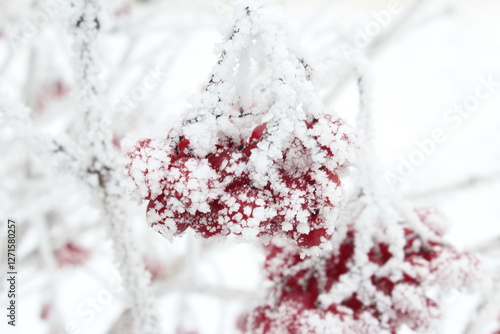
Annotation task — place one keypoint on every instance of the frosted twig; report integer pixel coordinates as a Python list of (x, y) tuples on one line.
[(471, 181), (101, 166), (365, 123)]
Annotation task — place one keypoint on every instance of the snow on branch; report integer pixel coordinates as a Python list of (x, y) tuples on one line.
[(102, 164)]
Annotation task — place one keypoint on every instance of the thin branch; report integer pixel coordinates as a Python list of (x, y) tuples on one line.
[(472, 181), (101, 166), (489, 247)]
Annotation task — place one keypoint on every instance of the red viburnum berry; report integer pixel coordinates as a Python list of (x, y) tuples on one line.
[(158, 213)]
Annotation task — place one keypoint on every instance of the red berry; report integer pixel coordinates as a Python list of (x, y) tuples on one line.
[(182, 149), (257, 133), (159, 215)]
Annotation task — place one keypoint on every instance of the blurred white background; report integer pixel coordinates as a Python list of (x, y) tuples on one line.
[(429, 57)]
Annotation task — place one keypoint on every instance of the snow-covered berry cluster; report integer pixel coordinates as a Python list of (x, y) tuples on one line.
[(217, 195), (272, 170), (234, 166), (334, 294)]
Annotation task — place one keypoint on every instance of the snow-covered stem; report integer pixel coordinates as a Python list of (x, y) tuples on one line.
[(372, 186), (365, 124), (365, 116), (101, 166), (86, 27), (132, 269)]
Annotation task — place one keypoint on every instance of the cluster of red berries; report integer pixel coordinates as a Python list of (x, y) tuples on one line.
[(215, 195), (301, 300)]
